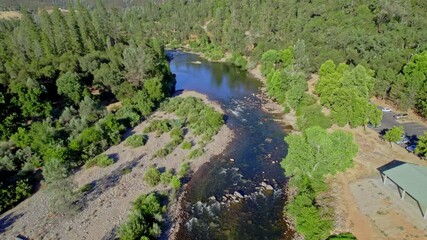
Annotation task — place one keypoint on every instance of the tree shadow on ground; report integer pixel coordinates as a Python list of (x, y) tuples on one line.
[(8, 220), (109, 181)]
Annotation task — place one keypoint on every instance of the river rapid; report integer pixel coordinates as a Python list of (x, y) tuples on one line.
[(240, 193)]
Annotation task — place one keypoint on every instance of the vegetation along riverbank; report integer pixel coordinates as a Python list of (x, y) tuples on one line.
[(85, 99)]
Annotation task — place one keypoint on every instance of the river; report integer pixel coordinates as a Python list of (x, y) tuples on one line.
[(250, 165)]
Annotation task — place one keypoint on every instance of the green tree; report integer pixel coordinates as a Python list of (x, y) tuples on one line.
[(421, 148), (394, 134), (68, 84)]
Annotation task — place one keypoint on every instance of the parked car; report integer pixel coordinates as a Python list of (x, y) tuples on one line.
[(403, 140), (386, 109), (400, 116), (411, 148)]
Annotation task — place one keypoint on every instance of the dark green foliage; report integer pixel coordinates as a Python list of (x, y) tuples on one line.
[(145, 219), (152, 176), (100, 161), (136, 141), (69, 85), (13, 194)]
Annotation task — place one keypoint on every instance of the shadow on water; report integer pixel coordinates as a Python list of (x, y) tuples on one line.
[(238, 194)]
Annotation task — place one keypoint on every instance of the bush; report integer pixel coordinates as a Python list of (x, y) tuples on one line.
[(177, 134), (183, 171), (196, 153), (160, 126), (201, 119), (165, 178), (13, 194), (136, 141), (175, 182), (152, 176), (145, 219), (186, 145), (102, 160)]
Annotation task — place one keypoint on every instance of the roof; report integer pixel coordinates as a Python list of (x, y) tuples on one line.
[(412, 178)]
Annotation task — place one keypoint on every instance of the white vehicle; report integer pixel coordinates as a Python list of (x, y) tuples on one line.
[(386, 109)]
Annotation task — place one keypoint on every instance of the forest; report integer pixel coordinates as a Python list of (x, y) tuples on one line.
[(384, 36), (58, 74)]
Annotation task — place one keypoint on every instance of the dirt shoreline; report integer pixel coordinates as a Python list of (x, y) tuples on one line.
[(107, 205)]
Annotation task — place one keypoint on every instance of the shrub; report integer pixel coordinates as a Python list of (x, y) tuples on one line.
[(102, 160), (186, 145), (145, 219), (177, 134), (160, 126), (13, 194), (165, 178), (87, 187), (136, 141), (152, 176), (183, 171), (196, 153), (163, 152), (175, 182)]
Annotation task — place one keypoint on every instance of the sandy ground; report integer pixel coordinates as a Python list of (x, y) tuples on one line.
[(367, 208), (108, 204), (10, 15)]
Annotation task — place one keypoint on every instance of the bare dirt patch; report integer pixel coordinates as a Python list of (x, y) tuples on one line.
[(8, 15), (107, 205)]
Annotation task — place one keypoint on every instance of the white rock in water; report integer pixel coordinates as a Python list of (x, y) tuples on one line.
[(232, 159), (212, 198)]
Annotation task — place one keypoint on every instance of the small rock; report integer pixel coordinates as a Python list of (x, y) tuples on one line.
[(269, 187), (238, 195), (212, 198), (232, 159)]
